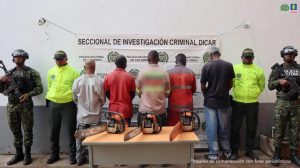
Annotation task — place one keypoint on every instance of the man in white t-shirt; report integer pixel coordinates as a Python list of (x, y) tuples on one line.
[(89, 96)]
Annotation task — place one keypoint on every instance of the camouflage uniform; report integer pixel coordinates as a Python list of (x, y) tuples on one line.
[(285, 110), (18, 114)]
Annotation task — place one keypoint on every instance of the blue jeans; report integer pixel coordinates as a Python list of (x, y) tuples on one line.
[(218, 129)]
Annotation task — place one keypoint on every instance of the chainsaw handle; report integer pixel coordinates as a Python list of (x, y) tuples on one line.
[(198, 123), (159, 124), (109, 114), (158, 120), (194, 115)]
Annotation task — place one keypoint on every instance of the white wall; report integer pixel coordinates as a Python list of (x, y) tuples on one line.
[(269, 32)]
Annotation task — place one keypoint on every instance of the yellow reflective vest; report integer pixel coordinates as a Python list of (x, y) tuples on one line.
[(60, 80), (248, 83)]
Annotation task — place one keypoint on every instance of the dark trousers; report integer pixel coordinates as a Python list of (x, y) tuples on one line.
[(164, 119), (239, 110), (128, 121), (65, 112)]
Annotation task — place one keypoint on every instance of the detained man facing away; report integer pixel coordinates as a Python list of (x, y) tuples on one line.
[(216, 81), (89, 96)]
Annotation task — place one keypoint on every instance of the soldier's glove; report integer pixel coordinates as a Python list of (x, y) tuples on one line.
[(283, 82), (24, 97)]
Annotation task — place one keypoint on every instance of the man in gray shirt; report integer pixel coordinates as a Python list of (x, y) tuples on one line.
[(89, 96)]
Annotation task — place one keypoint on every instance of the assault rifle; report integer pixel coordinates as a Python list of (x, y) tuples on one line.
[(12, 86), (294, 87)]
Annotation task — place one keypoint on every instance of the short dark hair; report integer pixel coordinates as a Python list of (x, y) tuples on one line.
[(153, 56), (181, 58), (121, 61)]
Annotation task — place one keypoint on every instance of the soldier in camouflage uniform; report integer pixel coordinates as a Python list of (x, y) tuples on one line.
[(20, 104), (286, 110)]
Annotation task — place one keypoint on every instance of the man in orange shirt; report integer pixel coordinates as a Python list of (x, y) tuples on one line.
[(183, 86), (119, 86)]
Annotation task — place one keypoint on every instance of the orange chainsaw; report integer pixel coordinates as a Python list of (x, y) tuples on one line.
[(189, 121), (115, 124), (150, 123)]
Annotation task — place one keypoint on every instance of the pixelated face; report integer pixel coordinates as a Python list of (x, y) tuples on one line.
[(289, 57), (248, 59), (61, 62), (19, 60)]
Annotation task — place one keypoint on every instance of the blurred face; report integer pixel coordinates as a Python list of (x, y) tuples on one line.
[(19, 60), (289, 58), (61, 62), (248, 60)]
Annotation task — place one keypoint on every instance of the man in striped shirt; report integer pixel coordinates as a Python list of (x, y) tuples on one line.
[(153, 86)]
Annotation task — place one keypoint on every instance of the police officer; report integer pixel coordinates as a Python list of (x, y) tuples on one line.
[(248, 84), (20, 104), (286, 110), (62, 108)]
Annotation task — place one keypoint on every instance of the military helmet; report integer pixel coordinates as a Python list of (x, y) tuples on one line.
[(288, 50), (20, 52)]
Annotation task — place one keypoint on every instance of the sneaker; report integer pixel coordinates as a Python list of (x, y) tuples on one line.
[(211, 157), (226, 155)]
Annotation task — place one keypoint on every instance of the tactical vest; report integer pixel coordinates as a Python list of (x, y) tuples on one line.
[(25, 84), (293, 72)]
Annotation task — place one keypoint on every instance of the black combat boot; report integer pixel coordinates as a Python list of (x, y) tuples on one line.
[(276, 157), (294, 158), (27, 157), (19, 156)]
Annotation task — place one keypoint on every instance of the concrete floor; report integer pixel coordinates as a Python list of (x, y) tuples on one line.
[(39, 161)]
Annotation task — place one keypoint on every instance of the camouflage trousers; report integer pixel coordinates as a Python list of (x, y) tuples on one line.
[(21, 115), (286, 112)]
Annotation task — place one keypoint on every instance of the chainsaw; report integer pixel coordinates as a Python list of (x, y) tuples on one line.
[(150, 123), (189, 121), (115, 124)]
